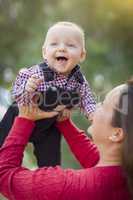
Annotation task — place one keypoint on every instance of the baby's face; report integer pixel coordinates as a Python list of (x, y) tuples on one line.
[(63, 48)]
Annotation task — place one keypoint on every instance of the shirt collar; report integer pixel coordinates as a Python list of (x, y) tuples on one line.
[(50, 74)]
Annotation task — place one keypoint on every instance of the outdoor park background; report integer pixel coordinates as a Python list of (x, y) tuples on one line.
[(108, 26)]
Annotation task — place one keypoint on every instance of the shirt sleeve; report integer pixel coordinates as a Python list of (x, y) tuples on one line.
[(19, 183), (81, 146), (18, 90), (88, 102), (11, 155)]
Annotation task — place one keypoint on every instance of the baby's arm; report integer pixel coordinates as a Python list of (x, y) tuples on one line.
[(32, 83), (26, 83), (30, 88), (88, 102), (18, 89)]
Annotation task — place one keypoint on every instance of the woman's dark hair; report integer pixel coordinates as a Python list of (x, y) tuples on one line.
[(123, 118)]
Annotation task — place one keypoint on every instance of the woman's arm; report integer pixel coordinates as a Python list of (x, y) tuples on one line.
[(19, 183), (82, 147), (11, 153), (16, 182)]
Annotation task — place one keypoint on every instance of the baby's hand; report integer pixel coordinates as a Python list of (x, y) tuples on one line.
[(33, 83)]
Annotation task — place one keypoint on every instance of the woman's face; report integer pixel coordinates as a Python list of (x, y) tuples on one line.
[(101, 127)]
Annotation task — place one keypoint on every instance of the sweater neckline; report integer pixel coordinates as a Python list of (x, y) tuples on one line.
[(108, 166)]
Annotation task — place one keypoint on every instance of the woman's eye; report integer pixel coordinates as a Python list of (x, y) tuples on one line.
[(101, 103)]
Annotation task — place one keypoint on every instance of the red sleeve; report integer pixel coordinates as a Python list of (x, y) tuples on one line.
[(11, 153), (19, 183), (82, 147)]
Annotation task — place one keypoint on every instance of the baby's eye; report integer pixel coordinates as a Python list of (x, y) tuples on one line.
[(71, 45), (53, 43)]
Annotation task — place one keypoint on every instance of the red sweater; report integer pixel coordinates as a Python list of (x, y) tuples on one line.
[(55, 183)]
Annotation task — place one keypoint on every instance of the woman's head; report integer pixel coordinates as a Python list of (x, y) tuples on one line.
[(103, 129), (124, 120), (113, 125)]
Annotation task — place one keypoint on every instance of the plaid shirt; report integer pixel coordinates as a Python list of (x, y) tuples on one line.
[(71, 82)]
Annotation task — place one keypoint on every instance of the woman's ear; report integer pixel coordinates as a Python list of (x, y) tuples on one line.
[(117, 135), (83, 56), (43, 52)]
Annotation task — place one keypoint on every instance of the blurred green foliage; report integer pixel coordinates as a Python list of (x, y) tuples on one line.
[(109, 40)]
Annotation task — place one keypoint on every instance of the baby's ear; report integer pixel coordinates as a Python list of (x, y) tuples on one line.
[(83, 56), (43, 52)]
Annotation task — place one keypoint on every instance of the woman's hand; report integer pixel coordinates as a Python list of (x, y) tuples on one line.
[(34, 113), (63, 115)]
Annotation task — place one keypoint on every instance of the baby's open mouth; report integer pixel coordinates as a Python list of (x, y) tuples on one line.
[(61, 58)]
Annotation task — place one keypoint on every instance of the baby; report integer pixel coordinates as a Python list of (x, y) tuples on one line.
[(63, 50)]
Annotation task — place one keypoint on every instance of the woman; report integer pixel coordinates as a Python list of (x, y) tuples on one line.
[(107, 166)]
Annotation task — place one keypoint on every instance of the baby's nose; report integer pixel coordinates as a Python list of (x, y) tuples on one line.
[(62, 47)]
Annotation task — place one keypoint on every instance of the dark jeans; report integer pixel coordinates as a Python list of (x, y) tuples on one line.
[(46, 138)]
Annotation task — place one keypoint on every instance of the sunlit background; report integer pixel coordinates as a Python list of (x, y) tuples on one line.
[(108, 26)]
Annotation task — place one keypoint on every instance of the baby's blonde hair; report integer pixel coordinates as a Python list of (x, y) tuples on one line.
[(74, 25)]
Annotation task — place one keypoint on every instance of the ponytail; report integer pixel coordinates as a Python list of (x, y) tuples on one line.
[(123, 118)]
